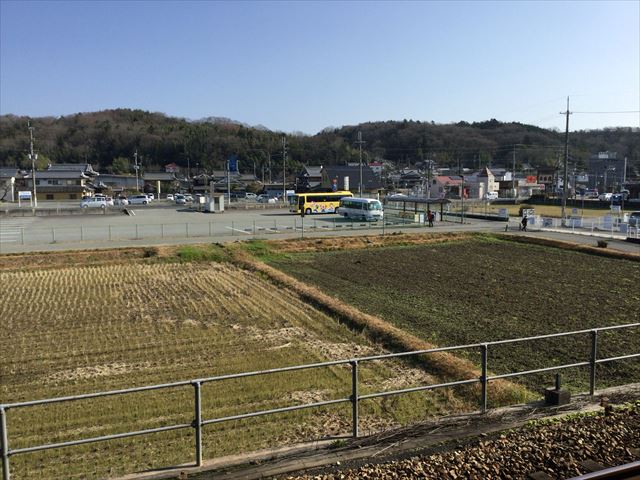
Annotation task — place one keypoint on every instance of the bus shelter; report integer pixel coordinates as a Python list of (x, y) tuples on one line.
[(416, 207)]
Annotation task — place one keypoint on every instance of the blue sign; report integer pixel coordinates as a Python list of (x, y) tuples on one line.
[(233, 163)]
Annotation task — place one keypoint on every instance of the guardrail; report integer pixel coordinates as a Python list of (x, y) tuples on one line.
[(198, 422)]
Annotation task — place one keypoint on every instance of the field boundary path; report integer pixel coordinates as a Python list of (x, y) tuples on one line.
[(424, 438)]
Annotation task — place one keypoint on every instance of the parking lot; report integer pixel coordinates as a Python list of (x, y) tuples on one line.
[(167, 223)]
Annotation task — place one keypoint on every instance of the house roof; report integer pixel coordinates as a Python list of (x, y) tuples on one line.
[(159, 176), (449, 180), (313, 171), (72, 167), (485, 172), (369, 179), (6, 172), (59, 174)]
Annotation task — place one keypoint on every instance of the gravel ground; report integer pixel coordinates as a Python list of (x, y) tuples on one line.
[(556, 448)]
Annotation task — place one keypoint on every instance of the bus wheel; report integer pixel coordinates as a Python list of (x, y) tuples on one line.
[(307, 211)]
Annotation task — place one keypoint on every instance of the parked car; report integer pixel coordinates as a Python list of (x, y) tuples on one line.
[(188, 197), (94, 202), (251, 196), (634, 219), (591, 193), (151, 196), (180, 200), (264, 198), (138, 200), (170, 196), (605, 197), (121, 201)]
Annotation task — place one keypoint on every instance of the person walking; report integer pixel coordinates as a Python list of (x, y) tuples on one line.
[(524, 222), (430, 217)]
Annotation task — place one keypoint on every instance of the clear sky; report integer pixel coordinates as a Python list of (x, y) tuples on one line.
[(304, 66)]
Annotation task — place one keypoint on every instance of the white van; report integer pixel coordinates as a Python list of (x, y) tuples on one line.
[(368, 209), (491, 196)]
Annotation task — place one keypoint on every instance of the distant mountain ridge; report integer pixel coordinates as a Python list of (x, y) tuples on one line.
[(104, 136)]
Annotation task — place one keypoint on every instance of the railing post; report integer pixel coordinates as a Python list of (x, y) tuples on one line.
[(53, 235), (483, 379), (354, 396), (302, 228), (109, 232), (81, 233), (594, 356), (22, 235), (186, 227), (137, 232), (197, 422), (162, 230), (210, 227), (4, 437)]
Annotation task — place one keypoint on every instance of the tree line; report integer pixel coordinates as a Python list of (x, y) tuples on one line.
[(108, 140)]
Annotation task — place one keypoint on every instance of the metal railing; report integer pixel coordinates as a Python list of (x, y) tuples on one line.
[(21, 235), (198, 422)]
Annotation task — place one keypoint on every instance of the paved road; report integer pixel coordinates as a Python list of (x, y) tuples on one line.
[(170, 224)]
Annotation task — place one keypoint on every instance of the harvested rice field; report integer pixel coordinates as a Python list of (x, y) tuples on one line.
[(95, 325)]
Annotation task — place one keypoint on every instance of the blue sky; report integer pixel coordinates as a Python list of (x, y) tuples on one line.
[(304, 66)]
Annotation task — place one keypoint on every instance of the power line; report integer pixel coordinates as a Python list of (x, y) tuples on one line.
[(619, 111)]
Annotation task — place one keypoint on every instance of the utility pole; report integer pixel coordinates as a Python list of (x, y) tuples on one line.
[(565, 179), (429, 175), (33, 157), (513, 178), (360, 142), (284, 169), (229, 180), (136, 167)]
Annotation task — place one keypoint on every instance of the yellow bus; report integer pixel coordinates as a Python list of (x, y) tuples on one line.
[(316, 202)]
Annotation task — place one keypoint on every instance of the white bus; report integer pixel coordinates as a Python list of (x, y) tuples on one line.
[(361, 209)]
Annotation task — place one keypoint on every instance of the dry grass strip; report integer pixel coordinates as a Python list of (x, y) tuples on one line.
[(547, 242), (359, 242), (446, 366)]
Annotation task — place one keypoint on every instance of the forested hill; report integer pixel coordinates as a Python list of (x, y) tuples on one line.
[(108, 140)]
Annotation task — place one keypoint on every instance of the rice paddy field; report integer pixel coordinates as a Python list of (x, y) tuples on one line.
[(77, 325), (484, 288)]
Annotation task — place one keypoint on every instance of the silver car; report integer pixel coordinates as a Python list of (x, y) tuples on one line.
[(94, 202)]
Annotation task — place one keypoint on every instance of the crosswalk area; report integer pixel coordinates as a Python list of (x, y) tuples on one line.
[(11, 229)]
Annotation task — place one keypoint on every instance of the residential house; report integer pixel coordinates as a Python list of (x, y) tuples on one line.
[(118, 183), (449, 186), (66, 181), (347, 177), (172, 168), (159, 182), (309, 178)]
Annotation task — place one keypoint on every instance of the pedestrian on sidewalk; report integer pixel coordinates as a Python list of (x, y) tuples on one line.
[(524, 222)]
